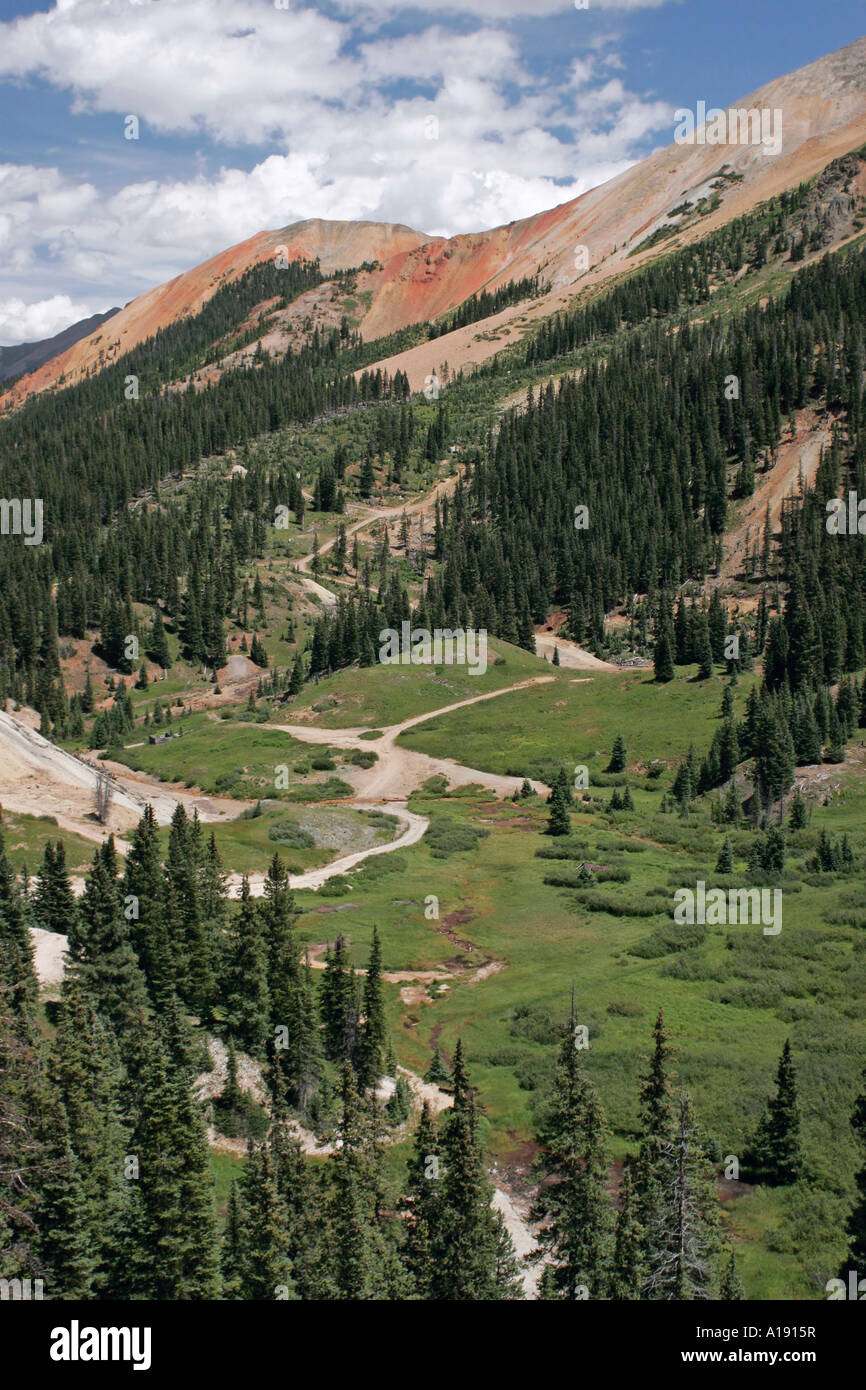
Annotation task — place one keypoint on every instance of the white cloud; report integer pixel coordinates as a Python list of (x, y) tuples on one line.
[(29, 323), (335, 99)]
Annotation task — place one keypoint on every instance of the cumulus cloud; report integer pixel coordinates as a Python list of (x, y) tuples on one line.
[(30, 323), (447, 129)]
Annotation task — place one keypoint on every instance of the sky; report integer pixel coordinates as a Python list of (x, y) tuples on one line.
[(139, 137)]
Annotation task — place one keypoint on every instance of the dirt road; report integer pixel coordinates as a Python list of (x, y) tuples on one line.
[(400, 771)]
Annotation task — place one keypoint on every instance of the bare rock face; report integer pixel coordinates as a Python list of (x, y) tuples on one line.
[(582, 242)]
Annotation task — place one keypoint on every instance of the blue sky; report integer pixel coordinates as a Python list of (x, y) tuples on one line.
[(447, 117)]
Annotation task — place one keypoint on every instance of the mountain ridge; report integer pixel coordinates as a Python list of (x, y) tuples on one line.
[(573, 245)]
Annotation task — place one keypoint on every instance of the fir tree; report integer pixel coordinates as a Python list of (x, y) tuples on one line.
[(572, 1204), (774, 1156)]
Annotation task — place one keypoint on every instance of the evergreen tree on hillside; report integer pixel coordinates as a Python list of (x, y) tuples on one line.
[(66, 1252), (100, 952), (54, 906), (373, 1034), (263, 1269), (16, 951), (245, 991), (618, 756), (629, 1253), (468, 1259), (731, 1286), (775, 1156), (422, 1205), (559, 820), (682, 1231), (855, 1226), (169, 1241), (144, 893), (572, 1204), (339, 1003), (662, 658), (87, 1076)]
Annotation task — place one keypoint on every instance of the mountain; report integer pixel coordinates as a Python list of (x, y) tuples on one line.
[(26, 357), (416, 278)]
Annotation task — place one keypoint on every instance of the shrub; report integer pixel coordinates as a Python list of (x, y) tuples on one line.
[(625, 1008), (320, 791), (665, 940), (336, 887), (445, 836), (362, 757), (617, 907), (322, 763), (288, 832), (378, 865)]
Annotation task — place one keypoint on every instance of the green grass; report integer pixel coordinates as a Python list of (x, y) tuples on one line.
[(381, 695), (26, 837), (576, 721), (226, 757), (245, 847), (493, 903)]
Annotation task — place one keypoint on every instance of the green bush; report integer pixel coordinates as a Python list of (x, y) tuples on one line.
[(336, 887), (288, 832), (445, 836), (625, 1008)]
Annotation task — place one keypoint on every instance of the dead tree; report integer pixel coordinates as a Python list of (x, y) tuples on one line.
[(104, 796)]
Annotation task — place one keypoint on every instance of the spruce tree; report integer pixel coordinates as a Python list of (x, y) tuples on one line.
[(618, 756), (855, 1226), (682, 1230), (264, 1269), (373, 1033), (100, 952), (468, 1253), (572, 1203), (628, 1263), (775, 1156), (54, 906), (559, 820), (730, 1285)]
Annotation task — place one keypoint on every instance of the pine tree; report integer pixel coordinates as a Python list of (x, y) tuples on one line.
[(245, 989), (618, 756), (339, 1003), (373, 1033), (66, 1252), (628, 1266), (572, 1204), (682, 1232), (263, 1269), (559, 820), (54, 906), (100, 952), (662, 659), (730, 1285), (855, 1226), (725, 861), (169, 1240), (467, 1256), (422, 1205), (775, 1156)]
